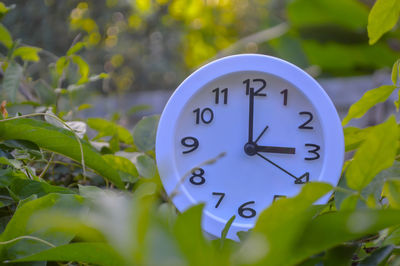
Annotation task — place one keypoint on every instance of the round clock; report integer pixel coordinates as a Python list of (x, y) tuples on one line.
[(241, 132)]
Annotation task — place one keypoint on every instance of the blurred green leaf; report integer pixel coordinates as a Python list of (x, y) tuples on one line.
[(138, 108), (368, 100), (392, 192), (375, 154), (331, 229), (11, 81), (340, 255), (83, 69), (5, 36), (349, 203), (395, 71), (61, 65), (108, 128), (58, 140), (279, 227), (27, 53), (393, 237), (144, 133), (18, 226), (378, 256), (123, 165), (76, 48), (4, 9), (354, 136), (346, 13), (24, 188), (46, 94), (190, 238), (352, 57), (382, 18), (96, 253), (145, 165)]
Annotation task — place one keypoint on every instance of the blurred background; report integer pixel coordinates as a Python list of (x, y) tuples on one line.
[(149, 46)]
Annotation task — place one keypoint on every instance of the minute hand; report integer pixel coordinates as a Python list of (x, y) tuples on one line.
[(275, 149)]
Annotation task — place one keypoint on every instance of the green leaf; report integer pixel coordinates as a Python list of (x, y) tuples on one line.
[(19, 226), (349, 203), (279, 227), (145, 165), (395, 72), (83, 69), (378, 256), (5, 37), (144, 133), (11, 81), (58, 140), (24, 188), (382, 18), (122, 165), (354, 136), (93, 253), (190, 239), (46, 94), (225, 231), (346, 13), (375, 154), (108, 128), (392, 192), (61, 65), (4, 9), (76, 48), (340, 255), (27, 53), (368, 100), (331, 229), (138, 108)]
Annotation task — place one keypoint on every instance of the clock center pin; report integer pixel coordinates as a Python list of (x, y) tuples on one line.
[(250, 148)]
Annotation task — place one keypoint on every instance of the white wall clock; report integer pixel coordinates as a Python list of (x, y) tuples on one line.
[(242, 131)]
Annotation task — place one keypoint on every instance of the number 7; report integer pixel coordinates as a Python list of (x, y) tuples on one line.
[(222, 195)]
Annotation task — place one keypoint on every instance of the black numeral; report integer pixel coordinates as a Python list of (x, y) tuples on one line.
[(197, 177), (221, 196), (310, 118), (303, 179), (206, 115), (313, 151), (285, 96), (224, 92), (190, 142), (246, 212), (257, 92)]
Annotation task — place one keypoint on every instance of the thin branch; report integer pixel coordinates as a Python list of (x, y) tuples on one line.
[(27, 237), (47, 166), (258, 37)]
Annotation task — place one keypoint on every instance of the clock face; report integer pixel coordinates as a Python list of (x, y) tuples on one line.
[(240, 139)]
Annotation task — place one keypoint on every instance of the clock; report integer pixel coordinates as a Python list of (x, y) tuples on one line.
[(243, 131)]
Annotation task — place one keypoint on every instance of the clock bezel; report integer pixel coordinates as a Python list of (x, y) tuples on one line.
[(165, 145)]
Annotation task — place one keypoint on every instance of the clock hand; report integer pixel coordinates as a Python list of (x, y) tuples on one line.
[(298, 180), (251, 114), (262, 132), (275, 149)]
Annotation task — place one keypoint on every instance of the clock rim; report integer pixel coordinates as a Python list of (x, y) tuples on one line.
[(330, 124)]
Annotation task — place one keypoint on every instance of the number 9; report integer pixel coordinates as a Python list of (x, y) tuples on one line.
[(190, 142)]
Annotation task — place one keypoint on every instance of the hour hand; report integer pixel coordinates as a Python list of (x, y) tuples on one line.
[(276, 149)]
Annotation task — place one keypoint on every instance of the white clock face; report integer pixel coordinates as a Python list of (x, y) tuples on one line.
[(242, 139)]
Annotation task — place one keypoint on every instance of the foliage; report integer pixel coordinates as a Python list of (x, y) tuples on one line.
[(68, 194)]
